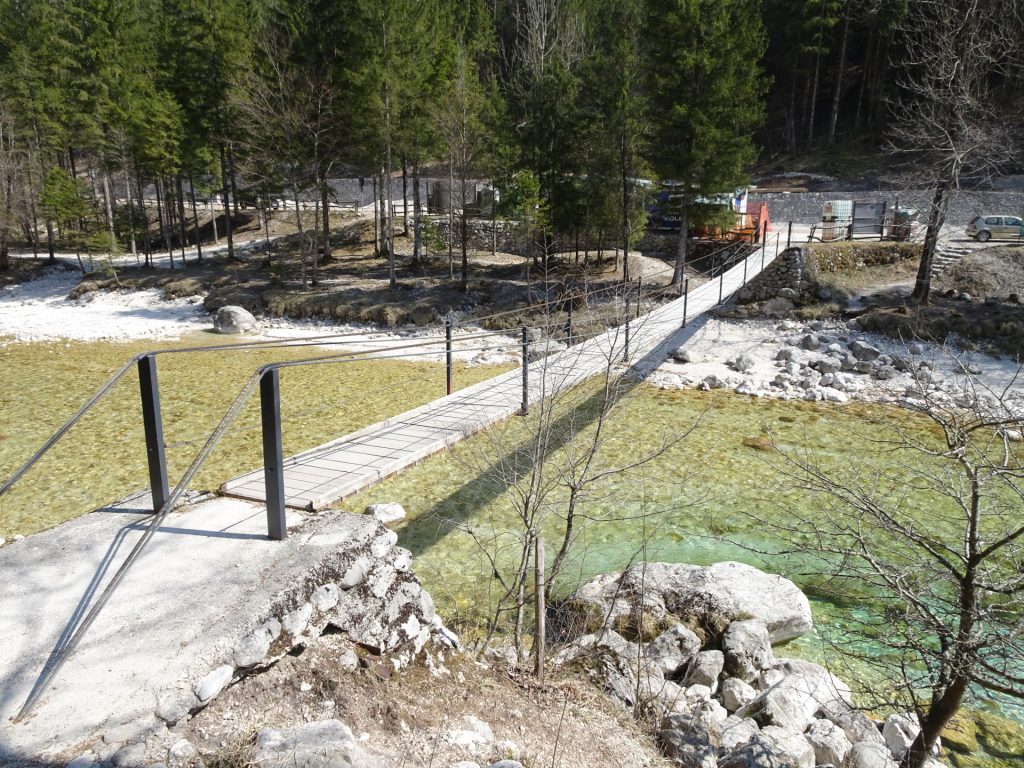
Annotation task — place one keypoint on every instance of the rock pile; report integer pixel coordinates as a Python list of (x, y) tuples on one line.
[(710, 678), (814, 362)]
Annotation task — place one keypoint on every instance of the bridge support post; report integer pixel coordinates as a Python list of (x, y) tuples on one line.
[(789, 235), (524, 409), (745, 260), (448, 352), (721, 284), (153, 427), (273, 453), (568, 325), (686, 298), (764, 242)]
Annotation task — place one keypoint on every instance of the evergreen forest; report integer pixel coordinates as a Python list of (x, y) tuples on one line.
[(572, 108)]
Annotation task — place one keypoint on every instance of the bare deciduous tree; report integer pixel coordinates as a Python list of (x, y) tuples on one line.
[(13, 173), (932, 535), (950, 118), (555, 475)]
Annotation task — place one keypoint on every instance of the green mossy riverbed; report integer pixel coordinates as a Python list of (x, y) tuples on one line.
[(103, 458), (705, 498)]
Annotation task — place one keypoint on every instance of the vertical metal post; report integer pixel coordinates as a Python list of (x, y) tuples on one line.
[(273, 454), (524, 410), (745, 260), (639, 295), (448, 352), (686, 297), (568, 324), (153, 427), (881, 228), (789, 234), (764, 242), (721, 285)]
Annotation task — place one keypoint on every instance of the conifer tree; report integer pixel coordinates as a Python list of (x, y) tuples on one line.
[(706, 97)]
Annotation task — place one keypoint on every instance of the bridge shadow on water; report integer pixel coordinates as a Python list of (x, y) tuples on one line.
[(449, 514)]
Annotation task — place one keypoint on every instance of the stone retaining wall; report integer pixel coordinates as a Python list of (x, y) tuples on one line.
[(793, 275), (805, 207)]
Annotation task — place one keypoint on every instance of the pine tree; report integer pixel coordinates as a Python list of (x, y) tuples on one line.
[(706, 97)]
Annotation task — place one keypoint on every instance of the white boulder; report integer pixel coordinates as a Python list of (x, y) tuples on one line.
[(233, 319)]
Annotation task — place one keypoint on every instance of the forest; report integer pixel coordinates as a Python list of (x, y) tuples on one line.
[(572, 108)]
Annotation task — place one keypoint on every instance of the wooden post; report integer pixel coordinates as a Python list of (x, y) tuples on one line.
[(686, 297), (540, 633)]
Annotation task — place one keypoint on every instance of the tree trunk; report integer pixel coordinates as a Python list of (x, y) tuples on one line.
[(936, 218), (108, 204), (161, 214), (146, 244), (264, 200), (131, 215), (405, 199), (49, 241), (451, 219), (376, 219), (464, 235), (181, 217), (416, 232), (314, 250), (814, 93), (231, 178), (325, 208), (624, 173), (227, 203), (195, 218), (679, 272), (298, 229), (390, 233), (837, 94)]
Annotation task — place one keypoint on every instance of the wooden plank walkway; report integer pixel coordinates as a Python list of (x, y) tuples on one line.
[(316, 478)]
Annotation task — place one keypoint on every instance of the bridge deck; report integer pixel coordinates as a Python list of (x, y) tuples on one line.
[(318, 477)]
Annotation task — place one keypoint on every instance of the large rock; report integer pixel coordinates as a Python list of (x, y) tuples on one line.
[(323, 744), (747, 649), (705, 669), (864, 351), (386, 512), (736, 694), (857, 726), (899, 731), (687, 743), (233, 319), (869, 754), (734, 732), (791, 749), (785, 707), (672, 649), (706, 598), (813, 680), (830, 742)]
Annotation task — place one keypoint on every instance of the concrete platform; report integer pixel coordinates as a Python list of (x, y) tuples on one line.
[(207, 577)]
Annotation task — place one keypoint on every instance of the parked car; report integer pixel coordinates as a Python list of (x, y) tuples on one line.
[(984, 228)]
